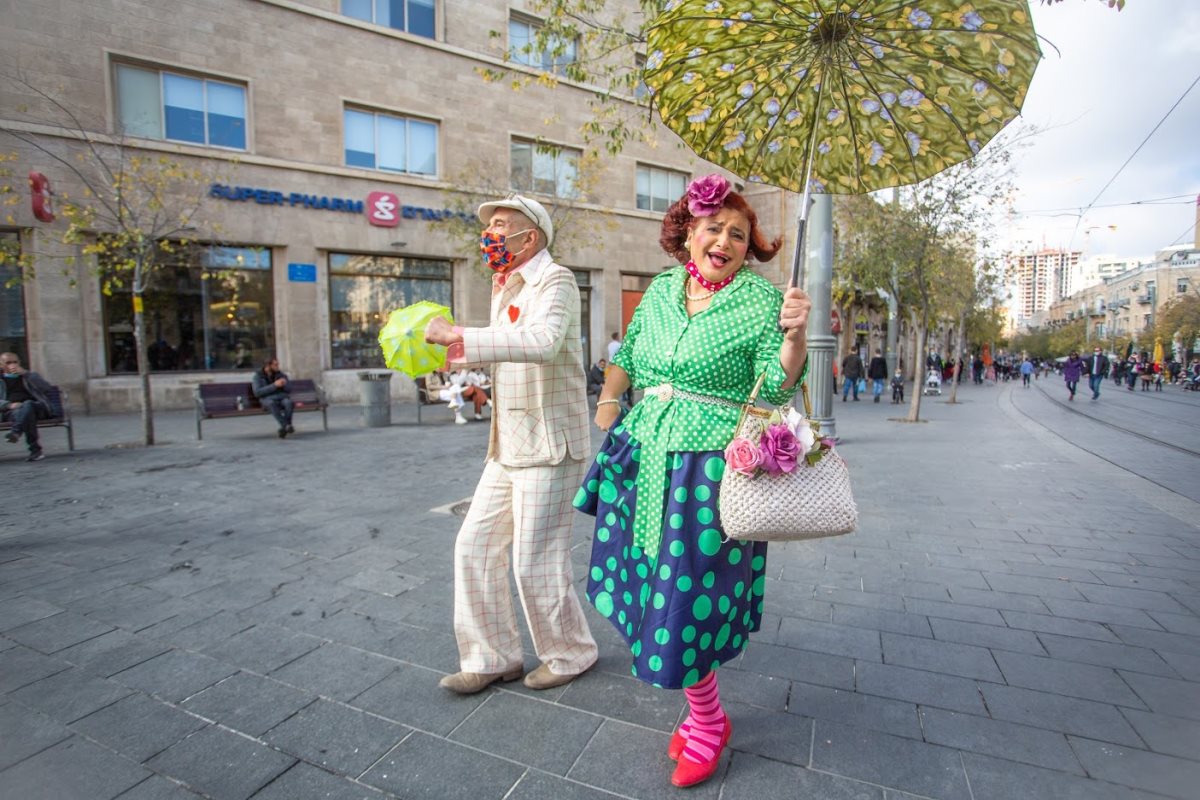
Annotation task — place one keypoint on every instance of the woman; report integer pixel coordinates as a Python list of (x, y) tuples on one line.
[(684, 599), (1072, 371)]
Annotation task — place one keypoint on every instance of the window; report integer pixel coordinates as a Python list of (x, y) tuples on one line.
[(413, 16), (165, 105), (394, 144), (13, 338), (364, 289), (522, 41), (640, 89), (545, 169), (658, 188), (211, 309), (1181, 286)]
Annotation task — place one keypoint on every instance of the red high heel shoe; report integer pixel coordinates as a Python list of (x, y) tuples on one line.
[(678, 742), (689, 773)]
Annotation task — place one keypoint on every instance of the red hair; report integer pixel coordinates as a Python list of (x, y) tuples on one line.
[(679, 219)]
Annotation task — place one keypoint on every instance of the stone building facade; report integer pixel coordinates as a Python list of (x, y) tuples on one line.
[(343, 144)]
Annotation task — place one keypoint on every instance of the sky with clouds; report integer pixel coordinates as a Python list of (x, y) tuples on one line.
[(1111, 79)]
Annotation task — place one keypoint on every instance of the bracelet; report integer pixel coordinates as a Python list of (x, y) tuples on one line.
[(608, 402)]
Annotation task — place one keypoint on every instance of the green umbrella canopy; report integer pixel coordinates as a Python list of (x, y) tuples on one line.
[(866, 94), (402, 339)]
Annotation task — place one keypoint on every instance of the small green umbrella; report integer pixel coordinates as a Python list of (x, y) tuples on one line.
[(839, 96), (403, 339)]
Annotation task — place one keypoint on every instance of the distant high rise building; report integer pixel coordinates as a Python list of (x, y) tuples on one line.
[(1039, 278), (1094, 269)]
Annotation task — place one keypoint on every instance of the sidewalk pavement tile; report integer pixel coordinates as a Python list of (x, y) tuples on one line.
[(248, 703), (37, 733), (1174, 777), (1166, 695), (336, 737), (357, 629), (1034, 746), (964, 660), (1066, 678), (776, 735), (199, 629), (990, 636), (1119, 656), (996, 779), (880, 758), (114, 651), (419, 767), (175, 675), (1057, 713), (74, 769), (221, 764), (306, 781), (850, 597), (921, 687), (752, 777), (1158, 640), (825, 637), (1133, 598), (1045, 623), (1187, 624), (411, 696), (1000, 601), (539, 786), (1099, 612), (958, 611), (18, 611), (877, 619), (68, 695), (263, 648), (788, 662), (552, 736), (138, 727), (752, 689), (853, 708), (20, 666), (644, 771), (1167, 734), (51, 634), (623, 698), (432, 649), (336, 671), (156, 787)]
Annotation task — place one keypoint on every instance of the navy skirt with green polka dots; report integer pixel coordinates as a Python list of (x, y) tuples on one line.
[(693, 607)]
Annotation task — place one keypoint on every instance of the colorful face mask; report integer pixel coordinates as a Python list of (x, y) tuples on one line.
[(495, 254)]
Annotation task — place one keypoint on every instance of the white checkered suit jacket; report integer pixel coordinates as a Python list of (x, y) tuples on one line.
[(539, 389)]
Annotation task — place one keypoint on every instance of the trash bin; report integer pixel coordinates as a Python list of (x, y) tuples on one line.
[(376, 396)]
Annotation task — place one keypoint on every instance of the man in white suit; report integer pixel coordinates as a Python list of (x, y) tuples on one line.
[(536, 458)]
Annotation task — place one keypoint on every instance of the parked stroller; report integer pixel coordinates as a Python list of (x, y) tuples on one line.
[(933, 383)]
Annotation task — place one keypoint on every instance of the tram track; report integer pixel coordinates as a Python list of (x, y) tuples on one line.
[(1099, 421)]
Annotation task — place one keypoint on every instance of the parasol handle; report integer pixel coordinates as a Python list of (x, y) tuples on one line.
[(802, 223)]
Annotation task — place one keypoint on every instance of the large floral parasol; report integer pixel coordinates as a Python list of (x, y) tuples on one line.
[(403, 343), (841, 97)]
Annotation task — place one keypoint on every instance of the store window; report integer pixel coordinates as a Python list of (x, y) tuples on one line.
[(364, 289), (158, 104), (390, 143), (209, 309), (658, 188), (545, 169), (523, 47), (413, 16), (13, 338)]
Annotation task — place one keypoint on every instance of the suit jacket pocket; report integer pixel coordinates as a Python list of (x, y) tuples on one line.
[(527, 440)]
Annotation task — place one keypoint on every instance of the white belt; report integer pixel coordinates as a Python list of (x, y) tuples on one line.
[(664, 392)]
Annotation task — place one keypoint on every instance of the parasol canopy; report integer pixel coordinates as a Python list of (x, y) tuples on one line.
[(402, 339)]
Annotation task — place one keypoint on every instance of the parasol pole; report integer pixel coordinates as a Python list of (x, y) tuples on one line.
[(805, 198)]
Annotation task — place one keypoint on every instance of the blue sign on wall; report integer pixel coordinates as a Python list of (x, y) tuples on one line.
[(302, 273)]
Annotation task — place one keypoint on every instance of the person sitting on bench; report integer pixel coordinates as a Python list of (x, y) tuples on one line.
[(271, 389), (24, 399)]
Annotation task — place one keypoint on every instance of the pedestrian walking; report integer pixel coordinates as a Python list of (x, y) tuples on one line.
[(1026, 371), (877, 372), (535, 460), (683, 596), (1097, 368), (852, 370), (1072, 370)]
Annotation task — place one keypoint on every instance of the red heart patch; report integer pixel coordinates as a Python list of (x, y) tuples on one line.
[(513, 313)]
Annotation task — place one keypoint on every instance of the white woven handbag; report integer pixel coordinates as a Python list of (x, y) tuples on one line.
[(811, 502)]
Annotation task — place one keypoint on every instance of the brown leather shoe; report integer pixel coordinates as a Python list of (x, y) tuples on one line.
[(474, 682), (543, 678)]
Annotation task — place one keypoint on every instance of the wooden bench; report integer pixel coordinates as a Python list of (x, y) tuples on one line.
[(58, 397), (224, 400)]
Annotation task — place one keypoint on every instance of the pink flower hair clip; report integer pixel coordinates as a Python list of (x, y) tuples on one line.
[(706, 195)]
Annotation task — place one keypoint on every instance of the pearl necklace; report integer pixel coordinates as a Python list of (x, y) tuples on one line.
[(696, 297)]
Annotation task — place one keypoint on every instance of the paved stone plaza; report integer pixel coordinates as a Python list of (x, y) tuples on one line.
[(248, 617)]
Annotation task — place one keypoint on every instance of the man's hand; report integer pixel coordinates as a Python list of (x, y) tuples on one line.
[(280, 382), (439, 331)]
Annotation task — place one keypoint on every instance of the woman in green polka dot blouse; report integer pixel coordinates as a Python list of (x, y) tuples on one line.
[(684, 599)]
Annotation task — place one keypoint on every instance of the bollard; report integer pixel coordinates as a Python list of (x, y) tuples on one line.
[(375, 394)]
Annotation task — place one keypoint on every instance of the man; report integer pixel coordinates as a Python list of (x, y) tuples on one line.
[(271, 388), (852, 369), (1097, 367), (614, 346), (596, 376), (535, 462), (24, 399), (877, 372)]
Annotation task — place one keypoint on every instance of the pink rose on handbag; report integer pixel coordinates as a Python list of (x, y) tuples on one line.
[(743, 456), (780, 449), (705, 195)]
